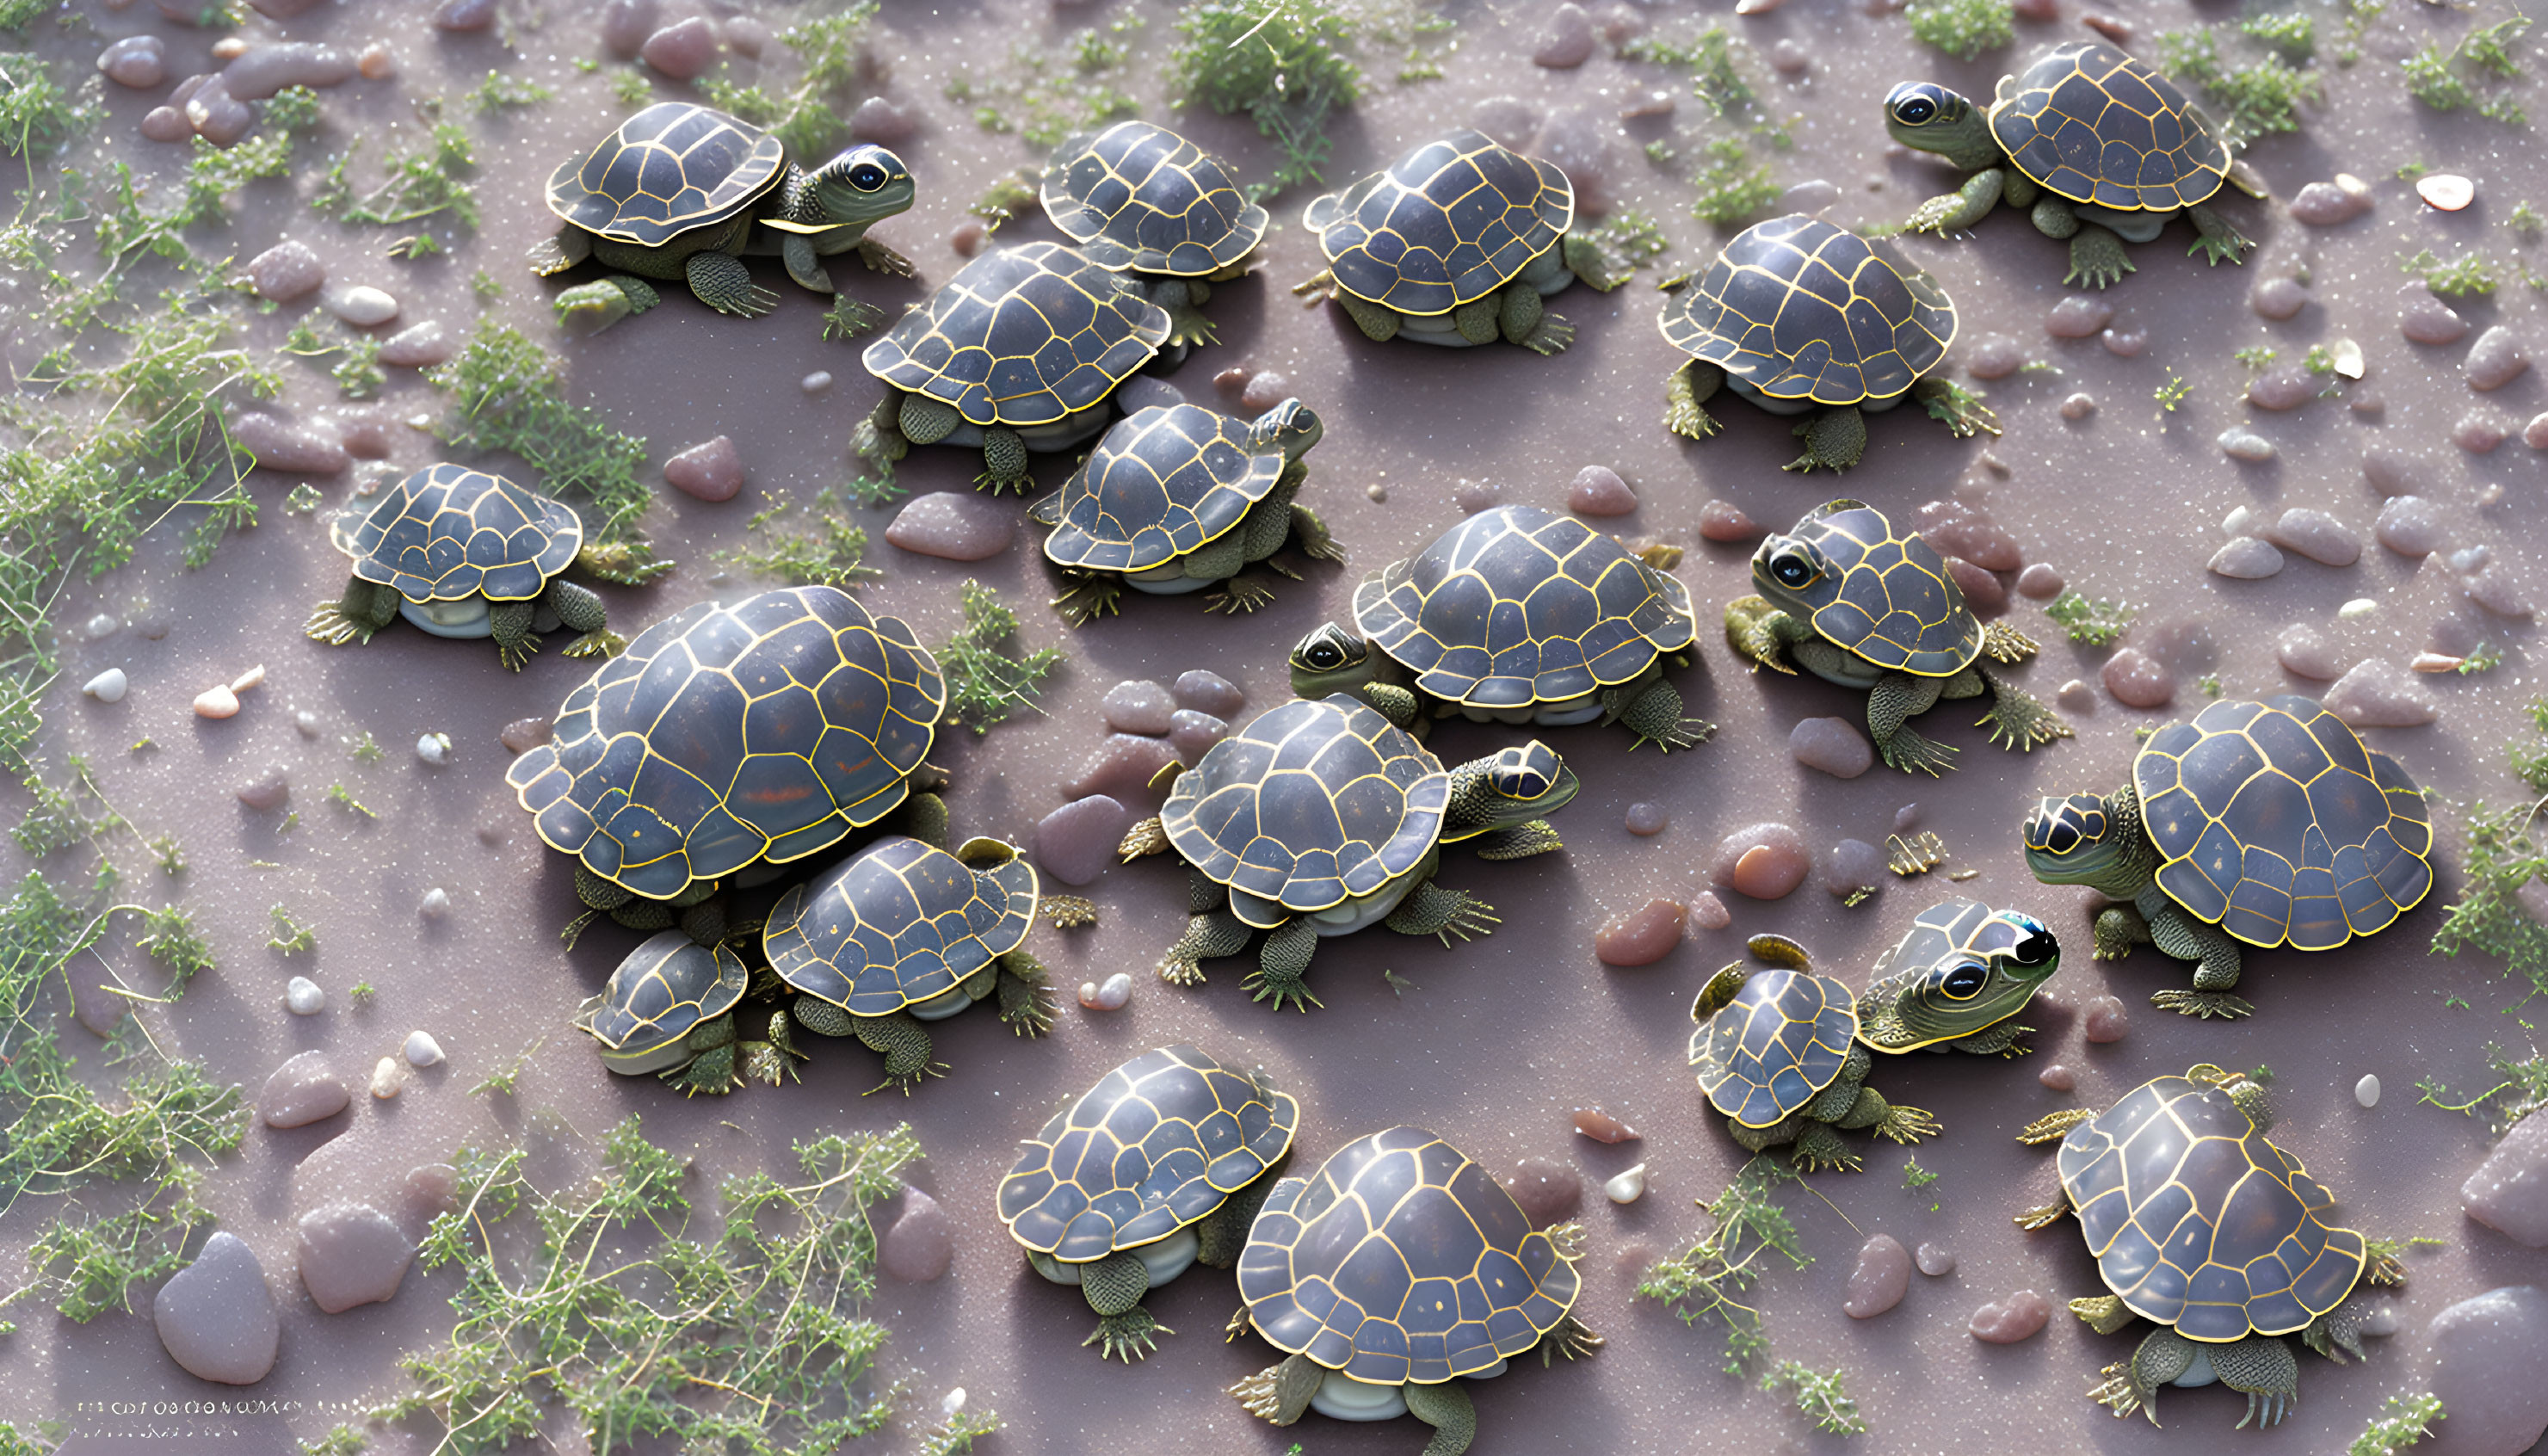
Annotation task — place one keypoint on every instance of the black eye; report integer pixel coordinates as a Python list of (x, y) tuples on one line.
[(1916, 109), (2037, 949), (1793, 570), (1325, 656), (1965, 981), (866, 177)]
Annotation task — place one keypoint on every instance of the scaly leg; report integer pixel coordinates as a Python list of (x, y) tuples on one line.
[(589, 307), (2216, 960), (1685, 396), (1834, 439), (1210, 930), (2220, 242), (1654, 716), (515, 639), (579, 610), (1960, 409), (1524, 319), (1432, 910), (365, 609), (1961, 209), (723, 282), (1004, 462), (1896, 698), (1279, 1393), (1283, 964), (883, 259), (1022, 1003), (1379, 325), (1448, 1409), (1519, 842), (2018, 719), (1114, 1288), (1089, 598)]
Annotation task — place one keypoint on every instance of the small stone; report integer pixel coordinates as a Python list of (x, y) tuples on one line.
[(1642, 937), (2358, 609), (464, 15), (523, 735), (350, 1254), (2080, 316), (1598, 490), (2430, 320), (1853, 865), (2076, 695), (2497, 359), (1627, 1186), (387, 1079), (2106, 1019), (2445, 191), (2020, 1317), (105, 686), (2281, 388), (1722, 520), (2124, 342), (249, 680), (1881, 1278), (1473, 497), (1193, 734), (1076, 841), (2079, 405), (1509, 121), (1646, 820), (2112, 28), (2376, 694), (1231, 381), (881, 121), (712, 470), (2058, 1077), (2535, 433), (2304, 652), (920, 1244), (421, 1049), (955, 525), (1788, 57), (1136, 705), (1812, 195), (1547, 1189), (164, 124), (1264, 390), (1208, 692), (263, 71), (681, 51), (2499, 589), (435, 905), (2508, 1192), (376, 63), (1994, 356), (1707, 912), (217, 702), (816, 381), (2278, 297), (1982, 590), (970, 239), (433, 749), (2410, 526), (2325, 205), (1833, 745), (295, 449), (2039, 581), (303, 996), (1765, 861), (216, 1317), (1111, 996), (362, 306), (1934, 1261), (2317, 535), (2137, 679), (300, 1092), (265, 791), (1956, 529), (2436, 661), (1600, 1126), (2489, 1370), (137, 61), (626, 25), (2037, 11), (2367, 1091), (217, 116), (1566, 40)]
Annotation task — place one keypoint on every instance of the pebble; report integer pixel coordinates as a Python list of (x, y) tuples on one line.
[(2284, 386), (217, 702), (2358, 609), (1546, 1188), (215, 1316), (955, 525), (217, 116), (1646, 820), (2125, 342), (2317, 535), (2020, 1317), (1881, 1278), (105, 686), (387, 1079), (1789, 57), (879, 119), (2489, 1370), (2059, 1076), (266, 69), (2135, 679), (2508, 1192), (1852, 865), (2435, 661), (712, 470), (1122, 767), (626, 25), (1137, 706), (464, 15), (249, 680), (2076, 695), (2106, 1021), (1231, 381), (435, 904), (2535, 433), (1934, 1261), (2039, 581), (1809, 195), (1907, 818), (350, 1254), (295, 449), (2079, 406), (2367, 1091), (1473, 497), (2430, 320), (1957, 530), (1208, 692), (376, 63), (1982, 590), (523, 735), (1722, 520), (366, 436), (2112, 28), (1707, 912), (2447, 190), (1076, 841), (433, 749), (1833, 745), (300, 1092), (267, 791), (2376, 694), (921, 1243), (165, 123), (421, 1049), (1509, 120), (137, 61), (2304, 652), (303, 996), (2499, 589), (1193, 734), (1994, 356), (1642, 937), (2080, 316), (417, 346), (1598, 490), (2325, 205), (1627, 1187), (362, 306), (969, 237), (1566, 40), (681, 51), (1265, 389), (2497, 359), (2278, 297), (816, 381), (2410, 526), (1600, 1126), (2037, 10), (1111, 996)]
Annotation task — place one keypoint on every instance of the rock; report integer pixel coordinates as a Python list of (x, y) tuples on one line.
[(523, 735), (464, 15), (301, 1091), (2480, 431), (2317, 535), (681, 51), (1547, 1189), (1982, 590), (2535, 433), (2367, 1091), (2040, 582), (955, 525), (435, 905), (165, 123), (433, 749), (712, 470), (267, 791), (2080, 316), (2508, 1192), (421, 1049), (375, 62), (2426, 320), (2020, 1317), (1642, 937), (2281, 387), (105, 686), (250, 678), (1598, 490), (1577, 141), (268, 68), (1135, 706), (1566, 40), (1881, 1278), (2137, 679), (1509, 121), (1722, 520), (1601, 1126), (1627, 1187), (295, 449), (2325, 205), (1472, 496), (2490, 1369), (1208, 692), (217, 702), (1708, 912), (2076, 695), (1264, 390), (1646, 820), (2497, 359), (1193, 734), (881, 121), (361, 306), (217, 116), (387, 1079), (1995, 356), (921, 1243), (2106, 1021), (217, 1316), (1076, 841), (1122, 767), (366, 436), (1111, 996), (2124, 342), (1766, 862), (417, 346), (2278, 297), (2304, 652), (2059, 1076), (303, 996), (351, 1253), (137, 61), (1934, 1261), (2378, 694), (626, 25), (2499, 589), (1833, 745), (1956, 529), (2410, 526), (1853, 865)]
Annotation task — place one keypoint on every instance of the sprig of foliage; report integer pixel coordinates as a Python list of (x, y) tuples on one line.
[(1916, 1176), (2256, 356), (1732, 188), (1709, 56), (1281, 61), (2257, 98), (508, 1078), (2404, 1422), (500, 92), (2091, 619), (954, 1436), (1964, 29), (2487, 918), (2450, 80), (1819, 1396), (2469, 273), (415, 185), (38, 115), (831, 553), (2523, 1091), (2294, 32), (290, 936), (1706, 1283), (293, 109), (2172, 392), (1634, 236), (984, 681), (508, 394)]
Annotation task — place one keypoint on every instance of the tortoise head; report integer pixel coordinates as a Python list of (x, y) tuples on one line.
[(865, 184), (2072, 840), (1795, 573), (1982, 982), (1334, 658), (1932, 118), (1289, 428), (1512, 788)]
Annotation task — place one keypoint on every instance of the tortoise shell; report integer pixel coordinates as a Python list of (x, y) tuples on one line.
[(1022, 336), (2093, 124), (1402, 1261), (664, 989), (724, 735), (1449, 224), (1310, 805), (1781, 1039), (2199, 1222), (1882, 594), (2277, 824), (671, 168), (1517, 605), (1157, 1143), (1165, 482), (1140, 197), (448, 532), (1801, 309), (902, 923)]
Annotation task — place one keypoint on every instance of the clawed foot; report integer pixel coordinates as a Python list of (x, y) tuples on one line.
[(1240, 593), (2006, 644), (516, 656), (998, 484), (2042, 1216), (1032, 1015), (1909, 752), (2116, 1389), (1837, 1159), (597, 644), (2203, 1003), (1089, 600), (2228, 248), (1932, 216), (1128, 1337), (329, 623), (2017, 721), (1068, 912), (883, 259), (1181, 970), (1960, 409), (1281, 987), (762, 1061), (1907, 1124), (1432, 910), (2053, 1126), (905, 1081), (2097, 259), (1551, 336)]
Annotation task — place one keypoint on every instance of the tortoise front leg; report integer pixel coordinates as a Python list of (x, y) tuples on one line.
[(1654, 715), (1283, 964), (712, 1064), (899, 1039), (1022, 999), (2261, 1368), (879, 439), (560, 251), (1896, 698), (579, 610), (1432, 910), (2132, 1385), (1958, 408), (2104, 1314), (2222, 242), (804, 265), (1997, 1039), (723, 282), (2017, 718), (1761, 633), (1961, 209), (516, 642), (1523, 319), (1280, 1392), (365, 609), (1379, 325), (2215, 954), (1686, 396), (1114, 1288), (1004, 462), (589, 307), (1834, 440), (1448, 1409)]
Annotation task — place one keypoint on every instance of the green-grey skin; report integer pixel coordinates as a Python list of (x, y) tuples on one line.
[(693, 1052), (2260, 1366), (1960, 131), (1515, 313), (2081, 839), (368, 607), (1115, 1286)]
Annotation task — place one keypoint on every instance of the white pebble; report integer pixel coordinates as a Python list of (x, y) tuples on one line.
[(2349, 362), (2242, 443), (2367, 1091), (101, 625), (1111, 996), (105, 686), (250, 678), (437, 903), (435, 749), (422, 1050), (302, 997), (816, 381), (387, 1078), (951, 1402), (217, 702), (362, 306), (1628, 1187), (306, 723), (2246, 521), (2358, 609)]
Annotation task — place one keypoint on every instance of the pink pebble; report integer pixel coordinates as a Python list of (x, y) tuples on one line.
[(266, 69), (298, 449), (955, 525), (2304, 652), (2059, 1076), (1833, 745), (2278, 297), (1853, 865), (1708, 912), (713, 471), (1722, 520), (2124, 342), (2480, 431), (1765, 861), (2020, 1317), (1955, 528), (2037, 11), (1935, 1260), (1598, 490), (1645, 820), (969, 237), (1122, 769), (1076, 841), (2284, 387), (2378, 694), (2137, 679), (1982, 590), (2325, 205), (1112, 994), (626, 25), (921, 1245), (1473, 497), (681, 51), (1193, 734), (302, 1090), (289, 270), (2411, 526), (165, 123), (2112, 28), (1265, 389), (1881, 1278), (2080, 316), (2106, 1019), (2078, 405), (217, 116), (2535, 433), (419, 346), (366, 435), (1995, 356), (1546, 1188), (1137, 706), (2039, 581), (2497, 359), (376, 63), (879, 119), (1208, 692), (464, 15), (2317, 535), (1566, 38), (137, 61), (1642, 937), (1600, 1126), (2428, 320)]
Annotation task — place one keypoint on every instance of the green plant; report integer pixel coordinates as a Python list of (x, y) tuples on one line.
[(2487, 918), (340, 795), (2448, 80), (2522, 1090), (500, 92), (361, 992), (38, 115), (304, 499), (984, 681), (365, 749), (507, 395), (1281, 61), (831, 554), (2210, 684), (359, 374), (290, 936), (1964, 29), (2525, 222), (2458, 277), (2255, 99), (2092, 620), (293, 109), (1707, 1281), (2291, 32), (2256, 356), (1633, 235), (1916, 1176), (1731, 187), (2172, 392), (2402, 1421), (508, 1078), (423, 183), (1819, 1396), (2486, 657)]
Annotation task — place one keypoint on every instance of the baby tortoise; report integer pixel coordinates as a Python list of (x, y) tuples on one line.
[(1140, 198), (669, 1008)]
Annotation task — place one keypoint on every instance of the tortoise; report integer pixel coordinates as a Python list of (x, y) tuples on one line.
[(2098, 146), (1857, 602), (1784, 1054), (1017, 352), (462, 553), (669, 1008), (1177, 498), (1320, 817), (1395, 1271), (1516, 615), (672, 193), (1456, 244), (725, 736), (2203, 1226), (1139, 199), (2267, 823), (1160, 1166), (1802, 318)]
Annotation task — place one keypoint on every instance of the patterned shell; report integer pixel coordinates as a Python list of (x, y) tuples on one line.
[(1310, 805), (1780, 1040), (1157, 1143), (1402, 1261), (1141, 197), (666, 986), (1451, 222), (903, 921), (724, 735), (2096, 125), (1166, 481), (1801, 309), (1886, 596), (665, 170), (449, 533), (1517, 605), (2198, 1222), (2278, 825), (1021, 336)]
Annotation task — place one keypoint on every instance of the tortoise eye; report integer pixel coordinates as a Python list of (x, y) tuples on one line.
[(1915, 111), (1965, 981), (1324, 655), (866, 177), (1792, 569), (2037, 949)]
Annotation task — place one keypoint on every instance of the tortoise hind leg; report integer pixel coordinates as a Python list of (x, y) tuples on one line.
[(2098, 259), (1958, 408), (1834, 439), (1114, 1287), (1891, 704), (1524, 319), (1432, 910), (1961, 209), (723, 282), (1282, 966), (1210, 930), (560, 251), (2216, 960), (1004, 462), (365, 609), (2132, 1385), (2018, 719), (1448, 1409), (516, 642), (1654, 715), (1685, 396), (2261, 1368), (2220, 242), (1023, 984), (1280, 1392), (580, 610), (1379, 325)]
